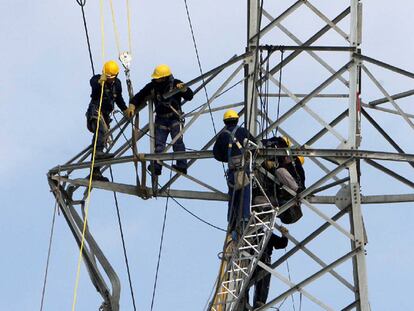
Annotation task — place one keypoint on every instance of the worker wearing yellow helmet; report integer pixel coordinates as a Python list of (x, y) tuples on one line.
[(168, 112), (289, 172), (228, 148), (111, 95)]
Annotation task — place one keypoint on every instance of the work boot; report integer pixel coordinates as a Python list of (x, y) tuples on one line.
[(258, 304), (157, 170), (182, 170), (101, 155), (97, 176)]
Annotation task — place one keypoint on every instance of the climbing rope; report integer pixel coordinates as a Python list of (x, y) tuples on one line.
[(82, 5), (118, 45), (123, 242), (48, 255), (129, 27), (75, 291), (87, 200), (115, 26)]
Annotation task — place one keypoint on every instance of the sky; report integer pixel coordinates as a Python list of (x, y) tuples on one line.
[(44, 96)]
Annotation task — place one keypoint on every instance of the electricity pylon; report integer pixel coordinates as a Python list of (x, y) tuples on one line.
[(330, 245)]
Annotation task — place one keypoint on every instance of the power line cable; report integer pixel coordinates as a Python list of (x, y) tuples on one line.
[(123, 243), (48, 255), (160, 249), (199, 63), (82, 5), (201, 72)]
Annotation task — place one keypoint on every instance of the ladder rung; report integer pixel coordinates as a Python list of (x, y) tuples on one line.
[(231, 281), (260, 224), (262, 204), (253, 235)]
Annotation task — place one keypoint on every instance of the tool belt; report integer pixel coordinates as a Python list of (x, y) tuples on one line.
[(167, 115), (241, 178)]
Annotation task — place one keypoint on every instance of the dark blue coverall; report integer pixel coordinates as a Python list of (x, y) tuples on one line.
[(224, 149), (112, 94), (167, 119), (261, 287)]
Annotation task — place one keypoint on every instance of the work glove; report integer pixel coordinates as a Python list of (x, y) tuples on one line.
[(102, 79), (182, 87), (130, 111), (269, 164)]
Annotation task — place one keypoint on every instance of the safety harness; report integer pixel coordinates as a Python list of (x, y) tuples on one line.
[(167, 103)]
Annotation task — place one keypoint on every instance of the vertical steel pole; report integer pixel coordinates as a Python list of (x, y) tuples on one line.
[(250, 70), (354, 138)]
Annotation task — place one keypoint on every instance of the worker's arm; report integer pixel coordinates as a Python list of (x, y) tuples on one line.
[(119, 99), (186, 92), (96, 87), (220, 149), (142, 95), (278, 242)]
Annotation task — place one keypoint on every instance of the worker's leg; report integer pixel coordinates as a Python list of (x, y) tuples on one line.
[(100, 142), (179, 144), (261, 290), (232, 204), (286, 179), (245, 202), (161, 134)]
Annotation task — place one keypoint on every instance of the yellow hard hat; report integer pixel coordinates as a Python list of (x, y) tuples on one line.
[(230, 114), (161, 71), (110, 69), (287, 141), (301, 159)]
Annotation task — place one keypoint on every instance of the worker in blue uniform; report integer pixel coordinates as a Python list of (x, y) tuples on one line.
[(110, 94), (290, 173), (229, 148), (168, 112)]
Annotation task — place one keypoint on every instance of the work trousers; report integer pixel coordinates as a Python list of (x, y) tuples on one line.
[(102, 131), (261, 288), (239, 203), (163, 128)]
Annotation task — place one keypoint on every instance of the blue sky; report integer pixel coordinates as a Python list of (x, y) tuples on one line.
[(45, 93)]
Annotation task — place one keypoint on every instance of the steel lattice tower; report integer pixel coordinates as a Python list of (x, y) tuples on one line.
[(334, 246)]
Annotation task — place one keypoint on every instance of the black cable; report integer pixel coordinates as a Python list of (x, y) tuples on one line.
[(279, 93), (145, 133), (199, 63), (48, 255), (161, 243), (82, 4), (178, 203), (201, 72), (195, 216), (123, 242)]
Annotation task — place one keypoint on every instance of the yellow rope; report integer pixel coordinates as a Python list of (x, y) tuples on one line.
[(75, 291), (129, 26), (102, 30), (118, 46)]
